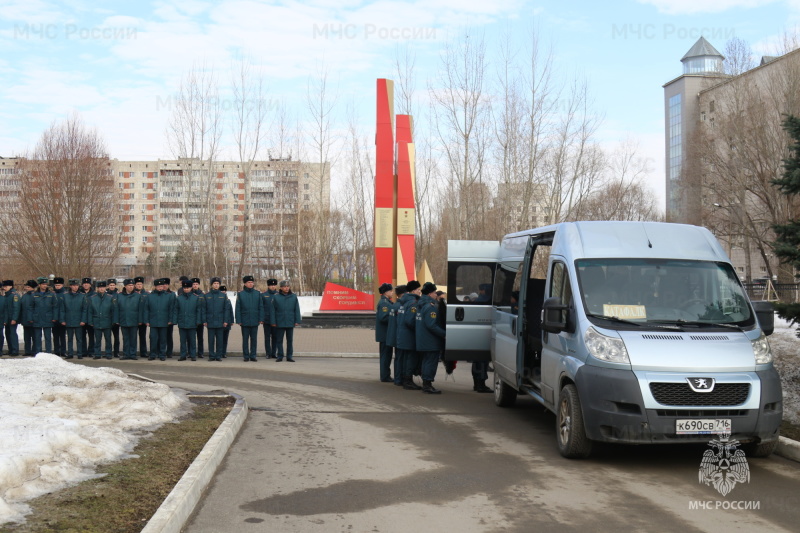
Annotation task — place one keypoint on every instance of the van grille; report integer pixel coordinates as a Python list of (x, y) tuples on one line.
[(682, 394), (708, 337)]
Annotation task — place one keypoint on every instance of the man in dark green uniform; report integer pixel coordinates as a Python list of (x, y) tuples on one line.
[(188, 312), (129, 303), (26, 315), (111, 289), (218, 316), (46, 312), (102, 313), (12, 317), (270, 331), (391, 334), (201, 295), (227, 329), (59, 330), (249, 315), (157, 315), (382, 314), (406, 334), (88, 331), (429, 337), (138, 286), (73, 318)]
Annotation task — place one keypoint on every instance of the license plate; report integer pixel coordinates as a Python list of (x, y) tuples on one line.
[(702, 426)]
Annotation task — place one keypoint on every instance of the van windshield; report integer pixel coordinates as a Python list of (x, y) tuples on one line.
[(664, 291)]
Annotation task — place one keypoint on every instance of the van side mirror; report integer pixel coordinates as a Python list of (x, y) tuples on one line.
[(555, 315), (765, 313)]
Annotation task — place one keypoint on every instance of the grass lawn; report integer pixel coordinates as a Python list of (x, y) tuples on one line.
[(132, 489)]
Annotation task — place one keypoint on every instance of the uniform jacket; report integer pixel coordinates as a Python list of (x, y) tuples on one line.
[(13, 306), (430, 335), (249, 307), (229, 305), (74, 308), (267, 297), (287, 310), (218, 309), (391, 326), (60, 296), (46, 309), (189, 310), (382, 318), (157, 308), (26, 309), (131, 309), (101, 311), (405, 322)]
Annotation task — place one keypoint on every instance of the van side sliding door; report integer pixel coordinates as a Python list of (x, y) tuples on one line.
[(470, 283)]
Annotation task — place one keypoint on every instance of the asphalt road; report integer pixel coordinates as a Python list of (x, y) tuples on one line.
[(327, 447)]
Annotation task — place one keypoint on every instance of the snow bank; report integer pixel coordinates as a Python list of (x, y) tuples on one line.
[(785, 347), (58, 421)]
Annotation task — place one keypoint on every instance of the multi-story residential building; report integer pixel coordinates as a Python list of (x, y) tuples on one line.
[(169, 206)]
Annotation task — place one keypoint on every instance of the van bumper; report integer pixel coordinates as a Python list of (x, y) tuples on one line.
[(613, 411)]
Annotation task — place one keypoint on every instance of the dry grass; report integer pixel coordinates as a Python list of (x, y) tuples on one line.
[(132, 489)]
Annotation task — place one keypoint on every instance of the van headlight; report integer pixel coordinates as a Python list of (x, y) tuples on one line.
[(605, 348), (761, 350)]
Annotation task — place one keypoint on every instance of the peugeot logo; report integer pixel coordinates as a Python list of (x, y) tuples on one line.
[(701, 384)]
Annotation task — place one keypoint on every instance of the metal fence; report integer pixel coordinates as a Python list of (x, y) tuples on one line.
[(785, 292)]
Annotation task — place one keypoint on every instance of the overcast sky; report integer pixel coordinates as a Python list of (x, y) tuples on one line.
[(119, 64)]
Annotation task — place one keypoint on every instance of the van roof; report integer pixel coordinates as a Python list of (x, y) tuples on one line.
[(603, 239)]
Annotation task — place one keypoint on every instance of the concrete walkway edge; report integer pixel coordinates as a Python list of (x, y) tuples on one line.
[(184, 497), (788, 448)]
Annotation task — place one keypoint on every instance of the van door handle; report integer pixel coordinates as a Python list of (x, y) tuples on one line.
[(514, 326), (459, 314)]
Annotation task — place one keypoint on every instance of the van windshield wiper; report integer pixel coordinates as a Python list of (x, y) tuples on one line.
[(623, 321), (698, 324)]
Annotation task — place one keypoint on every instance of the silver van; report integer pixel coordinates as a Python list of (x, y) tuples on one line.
[(629, 332)]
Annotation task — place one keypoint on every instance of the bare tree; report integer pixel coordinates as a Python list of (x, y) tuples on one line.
[(67, 222)]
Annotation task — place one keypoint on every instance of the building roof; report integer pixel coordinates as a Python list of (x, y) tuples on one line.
[(701, 48)]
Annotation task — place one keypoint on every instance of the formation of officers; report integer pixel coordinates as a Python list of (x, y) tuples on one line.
[(86, 318)]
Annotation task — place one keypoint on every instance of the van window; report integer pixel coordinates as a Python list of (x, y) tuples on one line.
[(472, 283), (507, 282), (560, 286)]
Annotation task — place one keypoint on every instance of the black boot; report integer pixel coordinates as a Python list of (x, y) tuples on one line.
[(480, 386), (427, 387), (408, 384)]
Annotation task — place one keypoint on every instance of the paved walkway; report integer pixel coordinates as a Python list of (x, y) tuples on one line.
[(354, 342)]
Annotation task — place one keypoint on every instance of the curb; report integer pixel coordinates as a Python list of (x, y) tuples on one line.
[(180, 503), (788, 448)]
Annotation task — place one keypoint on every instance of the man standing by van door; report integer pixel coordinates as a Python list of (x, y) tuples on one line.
[(429, 337), (382, 314), (406, 334)]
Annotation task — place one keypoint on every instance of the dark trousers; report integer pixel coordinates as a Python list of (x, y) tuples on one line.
[(410, 364), (225, 333), (480, 370), (188, 337), (385, 361), (88, 340), (430, 362), (200, 351), (399, 359), (142, 340), (2, 337), (115, 335), (169, 347), (12, 339), (129, 337), (59, 339), (73, 342), (249, 342), (270, 340), (37, 340), (27, 335), (289, 332), (215, 343), (158, 342), (99, 335)]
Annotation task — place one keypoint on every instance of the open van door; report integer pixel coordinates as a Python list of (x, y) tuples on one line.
[(470, 279)]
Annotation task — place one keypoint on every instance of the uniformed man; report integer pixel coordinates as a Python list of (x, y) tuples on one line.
[(131, 309), (59, 330), (3, 318), (138, 285), (171, 327), (101, 313), (391, 334), (382, 314), (74, 307), (219, 315), (270, 331), (249, 315), (188, 312), (200, 294), (429, 337), (406, 334), (111, 289), (46, 311), (227, 330), (26, 315), (12, 317), (88, 332), (157, 315)]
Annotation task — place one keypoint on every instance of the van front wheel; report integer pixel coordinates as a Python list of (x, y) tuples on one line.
[(572, 440), (504, 395)]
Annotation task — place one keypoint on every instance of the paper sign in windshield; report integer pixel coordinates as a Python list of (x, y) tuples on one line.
[(628, 312)]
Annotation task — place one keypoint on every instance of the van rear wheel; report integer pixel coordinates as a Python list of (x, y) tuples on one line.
[(504, 395), (571, 432)]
